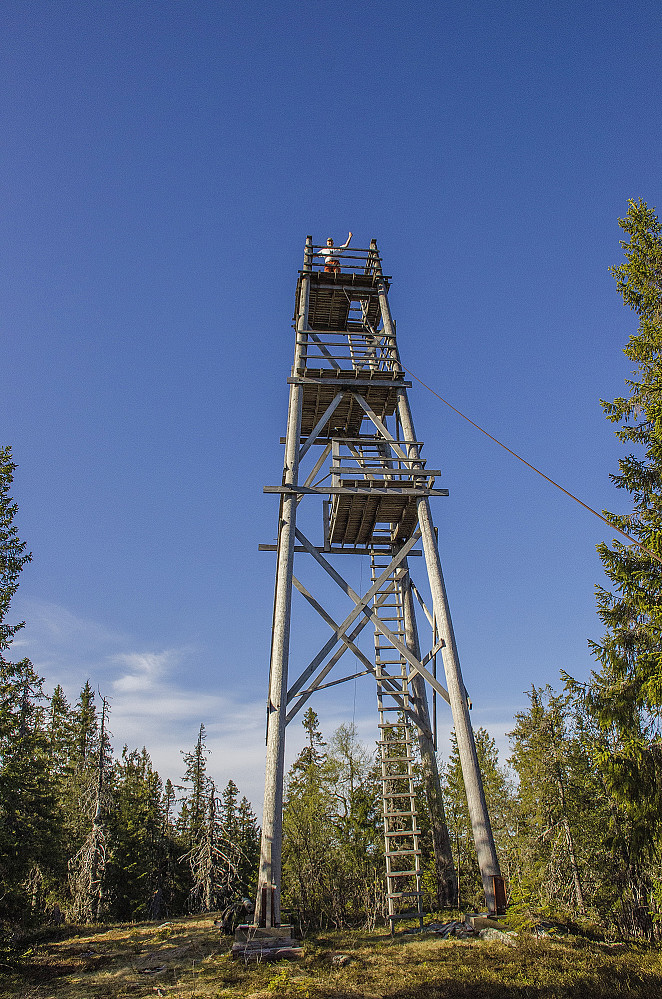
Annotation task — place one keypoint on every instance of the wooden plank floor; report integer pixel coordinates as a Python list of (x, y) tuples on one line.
[(348, 416), (330, 298), (354, 518)]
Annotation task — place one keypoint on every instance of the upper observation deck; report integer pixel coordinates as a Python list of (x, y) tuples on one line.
[(344, 343), (341, 295)]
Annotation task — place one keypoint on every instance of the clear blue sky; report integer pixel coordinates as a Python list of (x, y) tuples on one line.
[(162, 164)]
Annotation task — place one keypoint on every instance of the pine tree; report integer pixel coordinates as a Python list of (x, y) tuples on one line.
[(332, 838), (354, 788)]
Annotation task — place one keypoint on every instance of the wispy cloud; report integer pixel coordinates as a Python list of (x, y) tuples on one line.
[(144, 670)]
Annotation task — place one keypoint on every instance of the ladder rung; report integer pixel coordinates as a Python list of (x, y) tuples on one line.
[(393, 815), (403, 832), (404, 894), (402, 874), (402, 853)]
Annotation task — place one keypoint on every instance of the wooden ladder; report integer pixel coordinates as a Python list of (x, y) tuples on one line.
[(401, 832)]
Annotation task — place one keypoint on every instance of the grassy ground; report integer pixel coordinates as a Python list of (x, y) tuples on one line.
[(188, 957)]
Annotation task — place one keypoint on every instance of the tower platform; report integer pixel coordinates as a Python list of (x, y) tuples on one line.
[(331, 297), (322, 385)]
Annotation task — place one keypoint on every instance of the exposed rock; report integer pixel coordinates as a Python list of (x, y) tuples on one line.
[(498, 936)]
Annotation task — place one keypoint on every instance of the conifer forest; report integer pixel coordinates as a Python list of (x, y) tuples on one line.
[(90, 835)]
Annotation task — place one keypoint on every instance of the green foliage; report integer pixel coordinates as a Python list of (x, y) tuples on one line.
[(332, 847), (560, 810), (193, 813), (498, 795), (28, 816), (139, 875), (622, 702), (242, 846), (29, 826), (12, 549)]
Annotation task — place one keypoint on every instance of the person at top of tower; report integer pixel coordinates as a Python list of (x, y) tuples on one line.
[(330, 252)]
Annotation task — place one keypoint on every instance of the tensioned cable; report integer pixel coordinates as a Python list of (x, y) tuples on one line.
[(533, 467)]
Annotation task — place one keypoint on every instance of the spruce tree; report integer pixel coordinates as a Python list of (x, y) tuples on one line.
[(12, 549), (249, 843), (29, 829), (242, 846), (307, 831), (560, 810), (137, 874), (194, 806), (498, 794), (87, 883), (625, 694)]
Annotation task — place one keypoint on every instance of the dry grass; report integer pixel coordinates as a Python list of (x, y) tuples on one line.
[(187, 958)]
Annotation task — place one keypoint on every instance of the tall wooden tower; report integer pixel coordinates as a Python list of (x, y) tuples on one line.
[(351, 444)]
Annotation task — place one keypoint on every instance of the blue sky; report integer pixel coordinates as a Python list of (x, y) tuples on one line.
[(162, 164)]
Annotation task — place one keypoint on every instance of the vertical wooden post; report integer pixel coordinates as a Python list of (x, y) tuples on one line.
[(272, 816), (443, 856), (480, 819)]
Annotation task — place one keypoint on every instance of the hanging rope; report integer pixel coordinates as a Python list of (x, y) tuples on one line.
[(533, 468)]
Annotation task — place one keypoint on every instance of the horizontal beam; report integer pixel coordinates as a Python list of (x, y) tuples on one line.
[(365, 439), (350, 383), (395, 490), (383, 469), (338, 551)]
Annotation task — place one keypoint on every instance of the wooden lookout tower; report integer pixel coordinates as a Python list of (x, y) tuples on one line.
[(351, 448)]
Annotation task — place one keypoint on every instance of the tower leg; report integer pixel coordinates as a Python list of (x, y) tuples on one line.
[(443, 857), (480, 820), (267, 907)]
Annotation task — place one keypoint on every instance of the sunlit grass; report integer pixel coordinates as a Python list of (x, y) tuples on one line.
[(187, 957)]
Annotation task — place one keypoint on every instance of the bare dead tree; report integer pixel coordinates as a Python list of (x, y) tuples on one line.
[(87, 867)]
